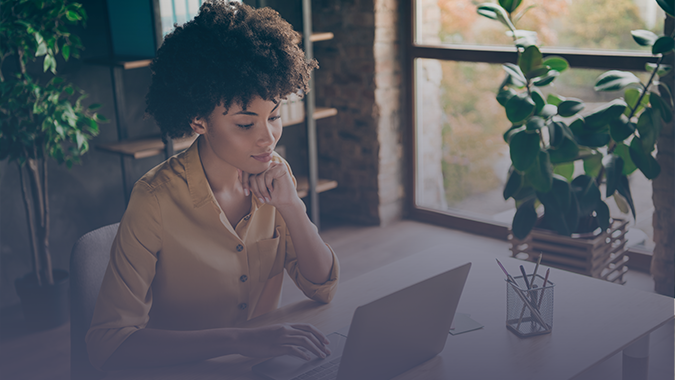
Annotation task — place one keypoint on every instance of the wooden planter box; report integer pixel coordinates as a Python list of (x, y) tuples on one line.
[(600, 255)]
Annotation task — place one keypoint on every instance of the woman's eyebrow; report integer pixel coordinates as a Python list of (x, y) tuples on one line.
[(244, 112)]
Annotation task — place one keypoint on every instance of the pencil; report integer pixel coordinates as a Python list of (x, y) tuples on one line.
[(534, 275)]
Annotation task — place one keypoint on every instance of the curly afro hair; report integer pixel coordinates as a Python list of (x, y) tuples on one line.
[(229, 52)]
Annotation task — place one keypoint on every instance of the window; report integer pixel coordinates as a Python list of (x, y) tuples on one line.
[(454, 62)]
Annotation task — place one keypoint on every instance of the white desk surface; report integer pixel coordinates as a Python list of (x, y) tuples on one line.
[(592, 321)]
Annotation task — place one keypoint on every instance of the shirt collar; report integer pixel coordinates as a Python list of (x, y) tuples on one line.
[(196, 178)]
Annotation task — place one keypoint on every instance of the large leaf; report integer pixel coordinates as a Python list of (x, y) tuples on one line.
[(644, 37), (631, 96), (666, 96), (548, 111), (565, 169), (614, 80), (587, 194), (512, 131), (535, 123), (513, 183), (517, 76), (555, 99), (593, 164), (556, 63), (566, 152), (524, 38), (644, 160), (530, 59), (649, 127), (509, 5), (561, 210), (524, 149), (539, 102), (663, 108), (621, 128), (602, 215), (540, 175), (570, 107), (667, 6), (663, 45), (495, 12), (589, 138), (624, 190), (555, 134), (547, 79), (504, 95), (661, 69), (524, 220), (613, 172), (622, 150), (519, 107), (601, 116)]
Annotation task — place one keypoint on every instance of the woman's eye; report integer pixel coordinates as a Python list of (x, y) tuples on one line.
[(244, 126), (274, 118)]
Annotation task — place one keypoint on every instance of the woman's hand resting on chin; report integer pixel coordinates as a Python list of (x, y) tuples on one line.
[(274, 186)]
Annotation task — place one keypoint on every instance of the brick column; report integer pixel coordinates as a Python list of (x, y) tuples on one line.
[(360, 75)]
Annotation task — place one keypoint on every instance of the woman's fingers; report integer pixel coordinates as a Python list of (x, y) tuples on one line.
[(253, 186), (311, 329), (243, 177), (295, 351), (307, 343)]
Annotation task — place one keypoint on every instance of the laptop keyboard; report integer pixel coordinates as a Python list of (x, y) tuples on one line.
[(326, 371)]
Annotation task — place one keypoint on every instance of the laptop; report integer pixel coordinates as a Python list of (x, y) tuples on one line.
[(386, 337)]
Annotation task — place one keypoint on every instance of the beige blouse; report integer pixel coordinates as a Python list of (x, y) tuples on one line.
[(178, 264)]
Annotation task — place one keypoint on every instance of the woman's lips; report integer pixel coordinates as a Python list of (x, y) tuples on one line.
[(266, 157)]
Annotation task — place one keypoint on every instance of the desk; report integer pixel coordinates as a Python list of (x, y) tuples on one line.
[(593, 320)]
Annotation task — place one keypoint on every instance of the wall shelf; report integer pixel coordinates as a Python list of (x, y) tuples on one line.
[(321, 186), (321, 36), (153, 146), (126, 63)]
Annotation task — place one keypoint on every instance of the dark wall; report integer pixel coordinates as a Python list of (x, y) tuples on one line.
[(89, 195)]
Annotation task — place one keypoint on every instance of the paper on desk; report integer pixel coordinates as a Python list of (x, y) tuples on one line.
[(463, 323)]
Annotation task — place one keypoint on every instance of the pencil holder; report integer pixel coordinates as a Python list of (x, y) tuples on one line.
[(529, 312)]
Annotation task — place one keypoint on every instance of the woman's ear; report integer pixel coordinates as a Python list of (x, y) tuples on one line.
[(198, 125)]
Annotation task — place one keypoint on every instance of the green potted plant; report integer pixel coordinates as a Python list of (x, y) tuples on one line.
[(549, 134), (41, 117)]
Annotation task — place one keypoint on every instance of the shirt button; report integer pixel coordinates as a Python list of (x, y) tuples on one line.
[(243, 278), (240, 248), (242, 306), (247, 217)]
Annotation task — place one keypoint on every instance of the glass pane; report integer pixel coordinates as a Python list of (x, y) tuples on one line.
[(582, 24), (462, 159)]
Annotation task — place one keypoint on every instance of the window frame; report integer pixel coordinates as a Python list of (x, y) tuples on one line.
[(577, 58)]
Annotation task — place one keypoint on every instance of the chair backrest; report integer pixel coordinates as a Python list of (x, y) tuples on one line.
[(88, 261)]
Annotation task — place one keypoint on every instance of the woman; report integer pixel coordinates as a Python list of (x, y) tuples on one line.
[(207, 234)]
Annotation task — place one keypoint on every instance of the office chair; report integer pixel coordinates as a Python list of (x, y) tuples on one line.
[(88, 262)]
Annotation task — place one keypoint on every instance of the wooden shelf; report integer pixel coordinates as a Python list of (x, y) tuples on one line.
[(154, 146), (147, 147), (321, 186), (126, 63), (321, 36), (319, 113)]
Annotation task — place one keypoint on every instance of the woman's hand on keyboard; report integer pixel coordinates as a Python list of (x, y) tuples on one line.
[(282, 339)]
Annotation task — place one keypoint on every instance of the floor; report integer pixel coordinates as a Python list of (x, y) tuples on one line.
[(45, 355)]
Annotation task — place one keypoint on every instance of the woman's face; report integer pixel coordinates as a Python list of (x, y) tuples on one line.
[(243, 138)]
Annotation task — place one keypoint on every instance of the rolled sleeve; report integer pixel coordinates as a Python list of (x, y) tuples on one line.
[(323, 293), (125, 298)]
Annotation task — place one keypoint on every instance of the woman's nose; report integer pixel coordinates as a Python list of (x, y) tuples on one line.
[(267, 135)]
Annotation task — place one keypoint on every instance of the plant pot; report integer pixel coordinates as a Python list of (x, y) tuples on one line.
[(599, 254), (44, 307)]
